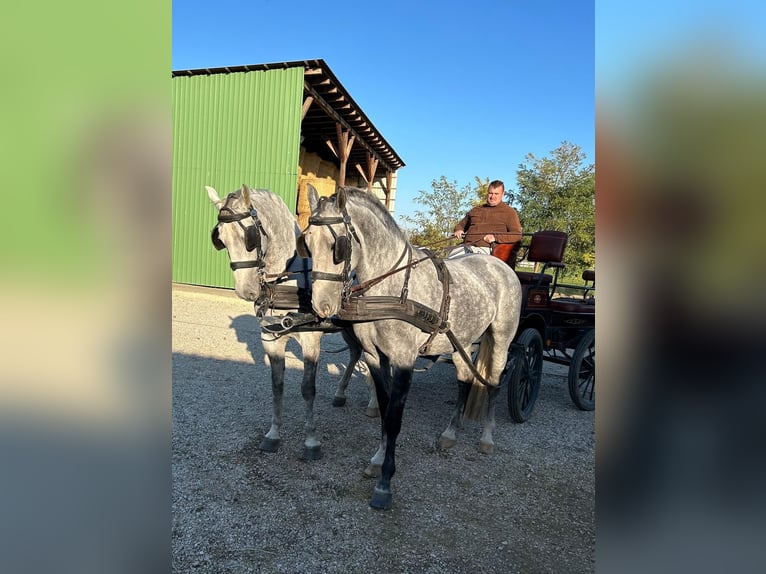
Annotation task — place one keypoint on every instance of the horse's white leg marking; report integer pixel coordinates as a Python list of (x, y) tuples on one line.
[(373, 470), (372, 409), (276, 353)]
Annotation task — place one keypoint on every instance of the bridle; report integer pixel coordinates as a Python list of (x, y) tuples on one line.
[(253, 233), (342, 248)]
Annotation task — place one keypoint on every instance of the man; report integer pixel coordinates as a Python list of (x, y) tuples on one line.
[(493, 222)]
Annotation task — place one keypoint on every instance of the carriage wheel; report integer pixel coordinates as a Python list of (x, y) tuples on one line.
[(582, 373), (524, 375)]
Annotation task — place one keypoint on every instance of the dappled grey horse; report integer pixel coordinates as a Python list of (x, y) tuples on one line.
[(404, 303), (257, 229)]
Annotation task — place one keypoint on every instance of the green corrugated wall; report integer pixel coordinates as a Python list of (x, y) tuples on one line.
[(229, 129)]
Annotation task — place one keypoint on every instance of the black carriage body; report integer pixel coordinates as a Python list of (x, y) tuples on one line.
[(552, 327)]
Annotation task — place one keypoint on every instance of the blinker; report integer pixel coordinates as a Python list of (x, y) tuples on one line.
[(216, 239), (342, 249), (301, 247)]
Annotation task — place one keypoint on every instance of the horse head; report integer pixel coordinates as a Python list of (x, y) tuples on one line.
[(258, 231), (328, 240)]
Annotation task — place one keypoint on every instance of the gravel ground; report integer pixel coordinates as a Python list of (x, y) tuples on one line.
[(529, 507)]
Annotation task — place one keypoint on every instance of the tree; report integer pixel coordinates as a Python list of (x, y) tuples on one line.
[(444, 206), (481, 190), (558, 192)]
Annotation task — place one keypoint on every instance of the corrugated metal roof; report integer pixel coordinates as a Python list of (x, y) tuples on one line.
[(332, 105)]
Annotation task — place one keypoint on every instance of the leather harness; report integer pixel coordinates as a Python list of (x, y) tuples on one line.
[(359, 308)]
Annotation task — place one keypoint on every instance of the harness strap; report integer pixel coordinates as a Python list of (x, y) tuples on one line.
[(467, 359), (246, 264), (322, 276), (232, 217), (283, 297), (376, 308), (359, 289), (443, 274)]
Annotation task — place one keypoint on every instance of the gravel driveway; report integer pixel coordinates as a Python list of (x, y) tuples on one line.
[(529, 507)]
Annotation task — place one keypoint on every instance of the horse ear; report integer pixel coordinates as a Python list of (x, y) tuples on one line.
[(246, 194), (313, 196), (213, 195), (341, 197)]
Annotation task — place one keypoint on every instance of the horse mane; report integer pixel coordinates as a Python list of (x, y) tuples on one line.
[(373, 205)]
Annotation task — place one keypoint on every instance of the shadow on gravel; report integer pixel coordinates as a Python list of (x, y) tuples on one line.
[(529, 507)]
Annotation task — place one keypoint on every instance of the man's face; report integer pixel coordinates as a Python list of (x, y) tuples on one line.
[(495, 196)]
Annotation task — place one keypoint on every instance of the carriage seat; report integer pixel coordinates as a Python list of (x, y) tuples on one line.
[(546, 247), (507, 252), (584, 304)]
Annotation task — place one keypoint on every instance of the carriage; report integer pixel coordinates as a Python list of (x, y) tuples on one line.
[(557, 324)]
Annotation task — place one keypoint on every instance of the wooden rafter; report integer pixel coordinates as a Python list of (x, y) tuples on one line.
[(306, 105)]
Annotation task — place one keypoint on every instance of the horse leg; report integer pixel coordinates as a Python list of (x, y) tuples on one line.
[(276, 352), (380, 376), (496, 364), (449, 437), (401, 379), (312, 448), (372, 410), (354, 353), (486, 443)]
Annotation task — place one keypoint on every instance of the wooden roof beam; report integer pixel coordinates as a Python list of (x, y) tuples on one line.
[(306, 105), (339, 119)]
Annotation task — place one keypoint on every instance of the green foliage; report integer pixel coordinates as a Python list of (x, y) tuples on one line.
[(481, 189), (443, 207), (558, 192)]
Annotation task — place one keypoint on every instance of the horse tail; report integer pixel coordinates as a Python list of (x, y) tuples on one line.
[(474, 404)]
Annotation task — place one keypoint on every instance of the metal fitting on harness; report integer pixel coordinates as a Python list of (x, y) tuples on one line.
[(289, 322)]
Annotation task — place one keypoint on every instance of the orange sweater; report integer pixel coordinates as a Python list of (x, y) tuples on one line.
[(500, 220)]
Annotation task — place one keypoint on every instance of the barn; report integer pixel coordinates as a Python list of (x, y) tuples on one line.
[(278, 126)]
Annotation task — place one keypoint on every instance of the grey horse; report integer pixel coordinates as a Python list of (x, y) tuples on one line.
[(404, 304), (257, 229)]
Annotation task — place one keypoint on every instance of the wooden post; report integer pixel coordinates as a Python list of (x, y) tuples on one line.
[(372, 167), (345, 143), (389, 182)]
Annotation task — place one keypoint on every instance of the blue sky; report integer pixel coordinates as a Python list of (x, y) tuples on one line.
[(459, 89), (635, 39)]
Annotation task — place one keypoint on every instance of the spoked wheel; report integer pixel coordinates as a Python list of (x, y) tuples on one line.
[(582, 373), (524, 373)]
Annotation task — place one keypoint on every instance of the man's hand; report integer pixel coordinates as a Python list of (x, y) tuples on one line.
[(459, 234), (489, 238)]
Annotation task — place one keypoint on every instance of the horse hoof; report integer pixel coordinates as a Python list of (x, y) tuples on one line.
[(372, 471), (312, 453), (372, 413), (269, 445), (381, 499), (486, 447), (446, 443), (339, 402)]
